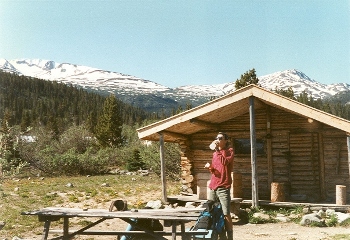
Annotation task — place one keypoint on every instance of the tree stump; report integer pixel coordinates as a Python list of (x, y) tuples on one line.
[(237, 185), (277, 192), (340, 195)]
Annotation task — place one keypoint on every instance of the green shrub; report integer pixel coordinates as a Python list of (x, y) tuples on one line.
[(332, 221), (76, 152)]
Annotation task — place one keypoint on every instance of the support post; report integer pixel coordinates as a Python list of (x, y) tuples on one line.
[(46, 230), (255, 200), (269, 147), (66, 228), (348, 144), (162, 167), (322, 166)]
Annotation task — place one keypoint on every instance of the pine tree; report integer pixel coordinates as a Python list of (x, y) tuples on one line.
[(25, 122), (109, 125), (135, 162), (9, 155), (6, 143), (287, 93), (246, 79)]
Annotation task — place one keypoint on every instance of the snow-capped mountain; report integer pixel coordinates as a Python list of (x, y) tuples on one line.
[(86, 77), (133, 89), (299, 83)]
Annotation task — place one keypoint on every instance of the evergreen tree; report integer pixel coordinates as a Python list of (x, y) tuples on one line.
[(6, 143), (109, 125), (179, 109), (189, 106), (25, 122), (9, 155), (246, 79), (135, 163), (52, 127), (303, 98), (287, 93)]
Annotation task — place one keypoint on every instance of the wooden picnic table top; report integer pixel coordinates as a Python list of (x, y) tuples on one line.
[(182, 214), (173, 216)]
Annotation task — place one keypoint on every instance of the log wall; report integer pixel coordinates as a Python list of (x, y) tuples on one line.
[(310, 159)]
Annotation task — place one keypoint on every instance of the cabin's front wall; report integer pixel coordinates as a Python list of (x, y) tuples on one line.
[(336, 162), (307, 157)]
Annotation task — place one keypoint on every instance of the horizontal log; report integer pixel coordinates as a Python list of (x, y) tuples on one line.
[(186, 168), (160, 233)]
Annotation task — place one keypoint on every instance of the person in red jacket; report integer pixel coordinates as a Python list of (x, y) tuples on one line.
[(221, 180)]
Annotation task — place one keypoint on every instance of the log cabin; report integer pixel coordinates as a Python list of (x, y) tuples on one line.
[(276, 140)]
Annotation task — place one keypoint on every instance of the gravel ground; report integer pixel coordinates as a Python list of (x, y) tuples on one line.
[(267, 231)]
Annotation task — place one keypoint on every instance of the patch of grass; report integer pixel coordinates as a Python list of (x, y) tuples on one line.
[(258, 219), (317, 224), (35, 193), (341, 237), (345, 223), (84, 223), (73, 198)]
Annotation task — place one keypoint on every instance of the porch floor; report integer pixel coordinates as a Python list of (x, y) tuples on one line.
[(181, 200)]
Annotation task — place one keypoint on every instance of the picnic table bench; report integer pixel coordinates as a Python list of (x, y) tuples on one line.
[(171, 217)]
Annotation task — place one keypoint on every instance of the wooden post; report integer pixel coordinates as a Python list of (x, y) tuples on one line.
[(162, 167), (237, 191), (65, 228), (340, 193), (269, 147), (348, 143), (322, 167), (278, 192), (255, 200)]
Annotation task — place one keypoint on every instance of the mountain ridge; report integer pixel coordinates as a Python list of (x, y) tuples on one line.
[(132, 89)]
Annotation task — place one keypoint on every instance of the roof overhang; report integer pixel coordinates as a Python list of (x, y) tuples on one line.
[(210, 115)]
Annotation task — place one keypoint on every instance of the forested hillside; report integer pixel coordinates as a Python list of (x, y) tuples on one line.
[(32, 101), (53, 129)]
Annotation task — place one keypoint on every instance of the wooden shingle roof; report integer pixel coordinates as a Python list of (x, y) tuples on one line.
[(211, 114)]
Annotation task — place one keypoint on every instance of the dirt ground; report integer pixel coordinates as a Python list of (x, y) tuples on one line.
[(268, 231)]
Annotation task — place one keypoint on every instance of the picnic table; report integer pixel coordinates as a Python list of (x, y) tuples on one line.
[(171, 217)]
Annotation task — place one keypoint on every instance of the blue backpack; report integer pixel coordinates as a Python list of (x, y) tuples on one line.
[(218, 222), (211, 218)]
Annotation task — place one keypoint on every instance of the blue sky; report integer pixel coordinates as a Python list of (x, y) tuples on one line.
[(176, 43)]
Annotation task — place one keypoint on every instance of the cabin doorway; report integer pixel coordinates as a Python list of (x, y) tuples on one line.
[(304, 168)]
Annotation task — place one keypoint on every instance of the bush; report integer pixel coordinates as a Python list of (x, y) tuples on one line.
[(151, 156), (76, 152), (332, 221)]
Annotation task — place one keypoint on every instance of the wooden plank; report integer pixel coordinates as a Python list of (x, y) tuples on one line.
[(313, 206), (255, 200), (183, 215), (348, 146), (162, 233), (162, 167)]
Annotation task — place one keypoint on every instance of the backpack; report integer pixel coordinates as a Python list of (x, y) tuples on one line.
[(204, 220), (211, 218), (218, 218)]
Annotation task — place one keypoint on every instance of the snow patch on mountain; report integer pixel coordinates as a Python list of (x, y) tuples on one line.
[(128, 85), (86, 77), (300, 82)]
